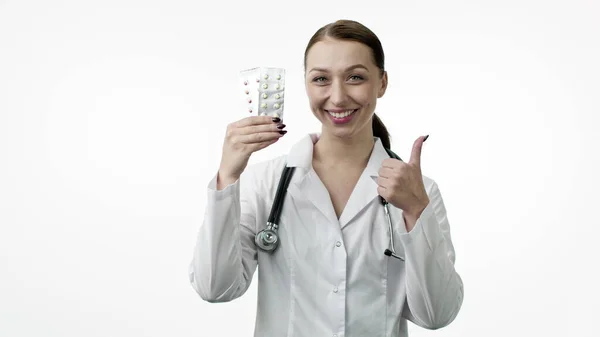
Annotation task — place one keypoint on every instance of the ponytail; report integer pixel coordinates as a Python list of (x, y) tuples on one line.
[(380, 131)]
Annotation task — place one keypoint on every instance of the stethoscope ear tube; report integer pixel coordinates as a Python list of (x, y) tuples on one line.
[(392, 254), (391, 251)]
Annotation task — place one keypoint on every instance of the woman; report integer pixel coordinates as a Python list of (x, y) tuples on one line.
[(329, 275)]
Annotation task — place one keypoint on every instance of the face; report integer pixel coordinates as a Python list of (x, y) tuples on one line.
[(343, 85)]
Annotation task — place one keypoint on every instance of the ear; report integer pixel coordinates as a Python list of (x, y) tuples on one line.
[(384, 83)]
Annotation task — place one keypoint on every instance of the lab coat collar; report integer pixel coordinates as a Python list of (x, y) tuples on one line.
[(301, 154), (366, 185), (308, 185)]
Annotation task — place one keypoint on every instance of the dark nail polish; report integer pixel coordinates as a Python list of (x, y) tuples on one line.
[(281, 126), (276, 120), (283, 132), (425, 138)]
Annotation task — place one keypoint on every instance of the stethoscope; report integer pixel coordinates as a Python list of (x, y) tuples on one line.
[(268, 239)]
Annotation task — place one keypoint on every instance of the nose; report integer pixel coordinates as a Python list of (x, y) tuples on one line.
[(338, 95)]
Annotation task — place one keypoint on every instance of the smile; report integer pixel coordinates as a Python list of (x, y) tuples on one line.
[(342, 114)]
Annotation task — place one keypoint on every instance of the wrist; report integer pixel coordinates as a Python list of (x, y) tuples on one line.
[(416, 211), (224, 180), (411, 217)]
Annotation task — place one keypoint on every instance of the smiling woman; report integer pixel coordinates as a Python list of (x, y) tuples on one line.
[(320, 251), (345, 62)]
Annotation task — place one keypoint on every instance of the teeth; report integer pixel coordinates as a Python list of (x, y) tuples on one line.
[(341, 114)]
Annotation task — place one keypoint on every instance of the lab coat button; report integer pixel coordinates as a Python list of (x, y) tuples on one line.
[(335, 289), (337, 244)]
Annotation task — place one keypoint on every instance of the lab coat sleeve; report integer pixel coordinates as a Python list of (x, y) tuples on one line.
[(225, 256), (434, 289)]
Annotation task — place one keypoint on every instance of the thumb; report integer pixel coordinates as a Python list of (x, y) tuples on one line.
[(415, 156)]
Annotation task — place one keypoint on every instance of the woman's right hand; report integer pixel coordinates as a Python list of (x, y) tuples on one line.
[(243, 138)]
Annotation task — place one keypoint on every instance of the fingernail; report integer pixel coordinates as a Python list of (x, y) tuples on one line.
[(281, 126), (283, 132), (276, 120), (425, 138)]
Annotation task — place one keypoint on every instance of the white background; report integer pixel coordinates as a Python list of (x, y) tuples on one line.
[(112, 115)]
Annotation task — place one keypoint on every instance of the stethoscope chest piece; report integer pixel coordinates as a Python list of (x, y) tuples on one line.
[(267, 239)]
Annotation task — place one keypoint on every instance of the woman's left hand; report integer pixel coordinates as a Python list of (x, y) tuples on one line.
[(401, 184)]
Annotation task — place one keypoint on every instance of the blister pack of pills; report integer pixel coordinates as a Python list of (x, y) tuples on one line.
[(263, 91)]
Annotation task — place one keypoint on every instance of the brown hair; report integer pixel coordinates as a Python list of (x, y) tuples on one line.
[(355, 31)]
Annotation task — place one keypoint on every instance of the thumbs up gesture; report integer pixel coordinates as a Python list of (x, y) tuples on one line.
[(401, 184)]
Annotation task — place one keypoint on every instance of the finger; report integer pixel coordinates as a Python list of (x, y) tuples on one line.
[(382, 191), (256, 131), (386, 172), (415, 156), (262, 145), (258, 137), (254, 120), (383, 182), (391, 163), (251, 129)]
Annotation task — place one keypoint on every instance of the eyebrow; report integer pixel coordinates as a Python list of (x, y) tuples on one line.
[(347, 69)]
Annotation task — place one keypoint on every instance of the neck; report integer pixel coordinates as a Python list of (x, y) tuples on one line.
[(332, 151)]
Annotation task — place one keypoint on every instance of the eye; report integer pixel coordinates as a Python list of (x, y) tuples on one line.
[(319, 79), (356, 78)]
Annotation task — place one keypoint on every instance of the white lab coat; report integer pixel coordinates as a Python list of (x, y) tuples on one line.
[(328, 277)]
